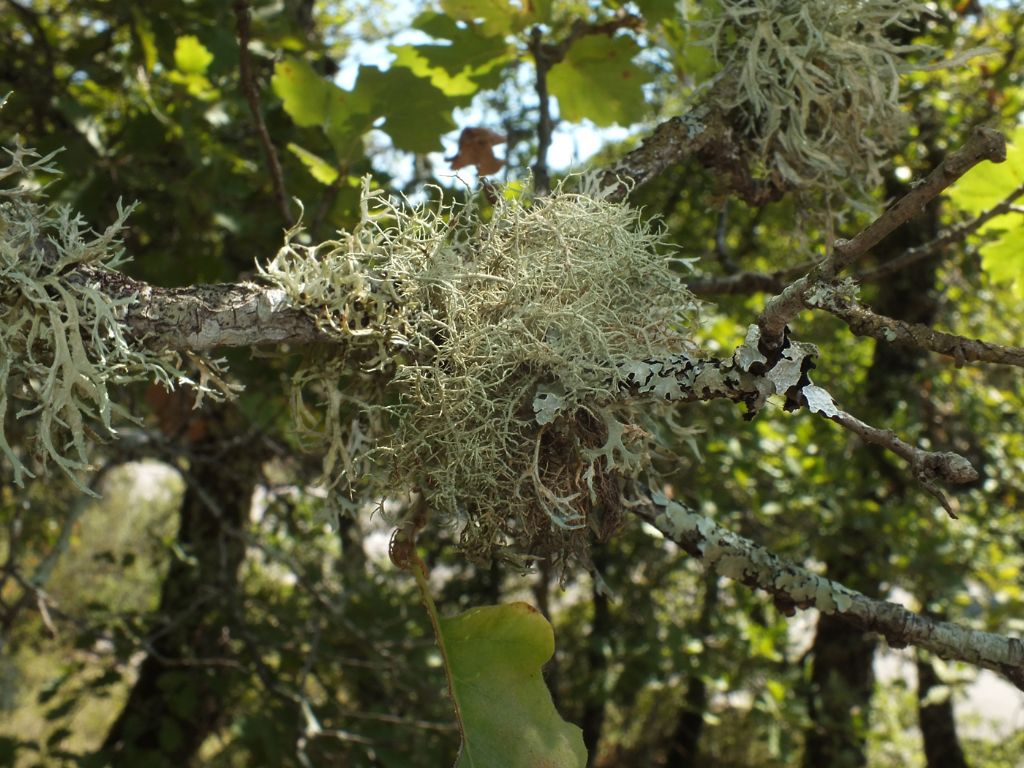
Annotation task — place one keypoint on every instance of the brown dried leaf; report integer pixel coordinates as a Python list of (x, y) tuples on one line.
[(476, 148)]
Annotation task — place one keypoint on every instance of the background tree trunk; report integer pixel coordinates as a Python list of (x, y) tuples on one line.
[(601, 628), (685, 745), (937, 721), (842, 678), (183, 687)]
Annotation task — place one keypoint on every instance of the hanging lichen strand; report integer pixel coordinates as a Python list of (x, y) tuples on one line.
[(816, 82), (468, 319), (61, 340)]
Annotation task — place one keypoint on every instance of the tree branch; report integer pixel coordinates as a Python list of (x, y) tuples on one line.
[(954, 235), (928, 467), (243, 15), (742, 283), (703, 134), (983, 144), (793, 586), (204, 317), (863, 322), (750, 378)]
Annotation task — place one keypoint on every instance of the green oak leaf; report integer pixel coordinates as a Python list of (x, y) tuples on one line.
[(304, 92), (191, 56), (1003, 259), (981, 188), (599, 81), (459, 86), (467, 60), (311, 100), (415, 112), (496, 17), (494, 657)]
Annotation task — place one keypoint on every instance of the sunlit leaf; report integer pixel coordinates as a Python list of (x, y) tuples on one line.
[(1003, 258), (466, 62), (311, 100), (304, 92), (599, 81), (984, 186), (191, 56), (320, 169), (507, 717), (411, 57)]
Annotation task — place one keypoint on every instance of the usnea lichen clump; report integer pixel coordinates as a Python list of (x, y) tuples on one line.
[(817, 83), (62, 345), (500, 341)]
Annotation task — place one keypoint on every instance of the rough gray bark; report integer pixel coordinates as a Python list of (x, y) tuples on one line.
[(793, 586)]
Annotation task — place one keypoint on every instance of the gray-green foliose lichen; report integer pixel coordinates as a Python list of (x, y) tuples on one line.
[(739, 559)]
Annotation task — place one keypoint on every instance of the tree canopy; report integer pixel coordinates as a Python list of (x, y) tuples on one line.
[(351, 418)]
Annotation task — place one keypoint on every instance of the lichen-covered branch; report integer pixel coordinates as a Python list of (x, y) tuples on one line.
[(750, 377), (863, 322), (705, 135), (793, 586), (201, 318), (983, 144)]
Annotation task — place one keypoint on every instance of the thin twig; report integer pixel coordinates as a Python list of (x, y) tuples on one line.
[(954, 235), (775, 282), (745, 283), (543, 60), (722, 251), (983, 144), (863, 322), (40, 39), (545, 56), (242, 14), (929, 467)]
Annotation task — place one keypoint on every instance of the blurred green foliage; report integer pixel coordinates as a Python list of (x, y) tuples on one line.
[(327, 657)]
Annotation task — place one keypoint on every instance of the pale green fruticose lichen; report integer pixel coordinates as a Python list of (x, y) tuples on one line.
[(61, 340), (817, 83), (479, 357)]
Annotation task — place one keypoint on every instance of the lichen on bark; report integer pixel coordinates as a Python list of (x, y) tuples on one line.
[(62, 342), (454, 323)]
